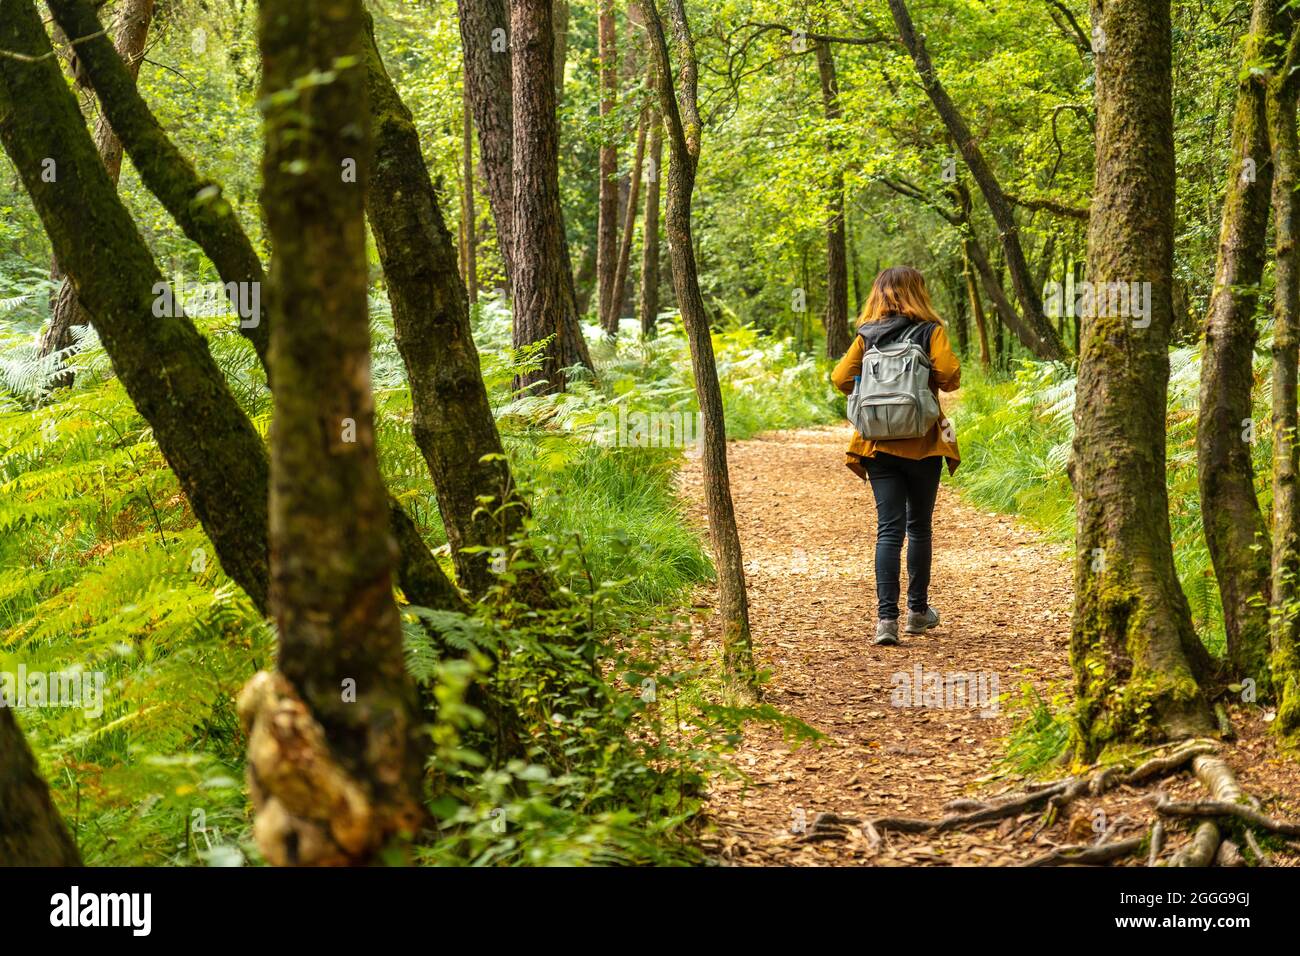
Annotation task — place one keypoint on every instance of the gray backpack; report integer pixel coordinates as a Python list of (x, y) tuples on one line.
[(892, 397)]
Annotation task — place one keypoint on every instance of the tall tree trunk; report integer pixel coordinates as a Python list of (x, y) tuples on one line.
[(629, 216), (453, 423), (467, 213), (835, 318), (31, 831), (607, 205), (649, 299), (682, 119), (545, 305), (217, 231), (1283, 89), (205, 437), (130, 30), (1036, 333), (860, 287), (485, 39), (347, 779), (1235, 531), (1135, 654)]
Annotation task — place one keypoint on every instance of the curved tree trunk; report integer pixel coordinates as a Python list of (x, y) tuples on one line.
[(217, 231), (545, 306), (683, 122), (1036, 332), (130, 30), (1235, 530), (31, 831), (1133, 648), (350, 780)]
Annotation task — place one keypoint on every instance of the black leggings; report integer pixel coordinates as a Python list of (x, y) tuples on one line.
[(905, 491)]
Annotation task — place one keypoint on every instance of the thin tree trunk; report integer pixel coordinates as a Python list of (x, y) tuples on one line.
[(130, 31), (976, 306), (1235, 531), (544, 299), (453, 424), (346, 779), (468, 214), (649, 304), (485, 39), (681, 116), (1135, 654), (835, 318), (215, 228), (629, 216), (560, 29), (1283, 89), (1035, 332), (607, 205), (31, 831)]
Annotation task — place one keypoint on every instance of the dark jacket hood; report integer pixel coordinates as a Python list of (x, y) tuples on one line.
[(884, 329)]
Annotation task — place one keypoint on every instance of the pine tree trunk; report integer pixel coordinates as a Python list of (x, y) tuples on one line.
[(607, 202), (350, 782), (1283, 89), (545, 305), (130, 30), (1235, 531), (453, 424), (485, 38), (682, 119), (31, 831), (1135, 654), (649, 299)]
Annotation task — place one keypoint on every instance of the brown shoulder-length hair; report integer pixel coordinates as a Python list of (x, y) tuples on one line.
[(899, 290)]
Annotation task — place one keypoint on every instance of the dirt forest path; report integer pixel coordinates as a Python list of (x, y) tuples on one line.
[(807, 527)]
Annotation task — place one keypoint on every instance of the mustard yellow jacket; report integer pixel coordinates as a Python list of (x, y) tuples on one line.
[(945, 375)]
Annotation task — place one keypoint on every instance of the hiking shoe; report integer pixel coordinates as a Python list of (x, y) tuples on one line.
[(918, 623), (887, 633)]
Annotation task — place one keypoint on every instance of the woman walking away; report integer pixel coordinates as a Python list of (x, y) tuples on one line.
[(903, 471)]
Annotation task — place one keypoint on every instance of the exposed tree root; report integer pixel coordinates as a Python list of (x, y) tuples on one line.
[(1089, 855), (1209, 845)]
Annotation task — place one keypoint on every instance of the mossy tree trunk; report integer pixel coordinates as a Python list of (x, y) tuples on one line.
[(196, 204), (835, 318), (681, 116), (1235, 530), (453, 423), (332, 552), (31, 831), (1135, 654), (162, 360), (1283, 91), (544, 300), (130, 30)]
